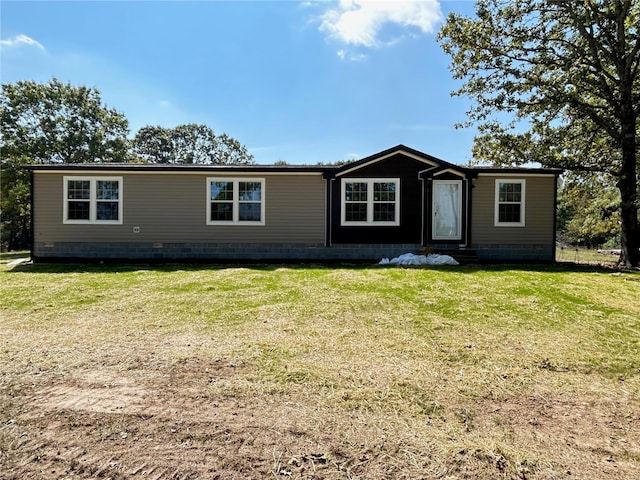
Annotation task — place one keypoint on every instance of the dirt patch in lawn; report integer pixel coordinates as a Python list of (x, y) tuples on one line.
[(159, 424), (138, 416)]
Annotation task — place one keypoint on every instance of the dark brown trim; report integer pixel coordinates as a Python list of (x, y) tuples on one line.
[(470, 187), (555, 218), (540, 171), (31, 211), (127, 167), (327, 216)]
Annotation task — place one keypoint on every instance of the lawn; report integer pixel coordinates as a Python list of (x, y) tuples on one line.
[(319, 372)]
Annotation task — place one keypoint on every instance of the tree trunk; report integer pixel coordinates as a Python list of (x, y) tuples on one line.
[(628, 185)]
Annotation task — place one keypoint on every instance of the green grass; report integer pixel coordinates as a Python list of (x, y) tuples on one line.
[(585, 255), (402, 345), (581, 319)]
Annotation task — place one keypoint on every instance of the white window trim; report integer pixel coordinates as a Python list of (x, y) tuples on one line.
[(236, 201), (370, 202), (497, 222), (92, 200)]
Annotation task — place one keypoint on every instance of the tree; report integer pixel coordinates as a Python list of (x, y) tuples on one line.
[(152, 144), (566, 76), (189, 144), (48, 123), (15, 203), (589, 210), (231, 152), (57, 122)]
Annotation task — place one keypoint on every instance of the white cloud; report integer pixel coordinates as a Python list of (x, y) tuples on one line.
[(352, 57), (20, 40), (359, 22)]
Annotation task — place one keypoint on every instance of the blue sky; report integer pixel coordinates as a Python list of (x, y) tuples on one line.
[(303, 82)]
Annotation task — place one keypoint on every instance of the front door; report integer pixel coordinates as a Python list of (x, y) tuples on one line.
[(446, 222)]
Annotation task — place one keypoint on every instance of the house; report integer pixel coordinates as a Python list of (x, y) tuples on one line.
[(393, 202)]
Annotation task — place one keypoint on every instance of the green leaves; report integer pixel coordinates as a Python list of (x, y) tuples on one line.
[(545, 61), (188, 144), (589, 210), (57, 122)]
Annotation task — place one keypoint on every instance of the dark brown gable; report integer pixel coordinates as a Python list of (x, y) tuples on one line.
[(399, 166)]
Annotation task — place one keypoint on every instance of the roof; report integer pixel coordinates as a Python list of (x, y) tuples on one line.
[(429, 160), (433, 166)]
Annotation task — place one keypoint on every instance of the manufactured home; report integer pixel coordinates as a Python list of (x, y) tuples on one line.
[(393, 202)]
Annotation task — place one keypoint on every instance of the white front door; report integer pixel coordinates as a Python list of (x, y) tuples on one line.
[(446, 223)]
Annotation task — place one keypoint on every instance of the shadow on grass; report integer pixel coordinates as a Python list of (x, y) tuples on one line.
[(118, 267)]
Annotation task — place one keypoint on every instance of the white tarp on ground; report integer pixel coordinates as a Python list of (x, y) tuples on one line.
[(413, 259)]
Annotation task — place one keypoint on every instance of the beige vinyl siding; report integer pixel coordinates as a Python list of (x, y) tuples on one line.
[(172, 208), (539, 212)]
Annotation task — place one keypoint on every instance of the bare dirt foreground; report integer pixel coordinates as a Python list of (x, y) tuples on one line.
[(126, 412)]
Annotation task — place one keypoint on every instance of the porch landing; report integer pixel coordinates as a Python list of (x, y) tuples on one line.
[(463, 257)]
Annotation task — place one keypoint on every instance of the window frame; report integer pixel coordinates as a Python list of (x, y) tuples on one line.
[(93, 200), (236, 201), (496, 221), (370, 202)]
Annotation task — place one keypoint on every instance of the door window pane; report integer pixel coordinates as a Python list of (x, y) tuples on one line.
[(446, 210)]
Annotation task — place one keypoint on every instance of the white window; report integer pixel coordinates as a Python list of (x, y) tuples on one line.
[(509, 203), (92, 200), (370, 202), (235, 201)]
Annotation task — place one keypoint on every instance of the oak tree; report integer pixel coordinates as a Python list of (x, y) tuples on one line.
[(555, 82)]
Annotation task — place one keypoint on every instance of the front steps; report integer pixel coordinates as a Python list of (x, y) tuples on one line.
[(463, 257)]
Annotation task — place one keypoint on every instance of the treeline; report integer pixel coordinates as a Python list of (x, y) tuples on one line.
[(57, 122)]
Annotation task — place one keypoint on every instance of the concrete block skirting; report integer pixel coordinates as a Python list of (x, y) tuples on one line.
[(218, 252), (524, 253), (268, 252)]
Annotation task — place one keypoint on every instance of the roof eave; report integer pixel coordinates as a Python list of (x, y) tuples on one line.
[(86, 167)]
